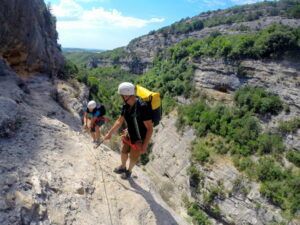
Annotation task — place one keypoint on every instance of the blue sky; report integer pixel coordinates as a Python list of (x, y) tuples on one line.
[(108, 24)]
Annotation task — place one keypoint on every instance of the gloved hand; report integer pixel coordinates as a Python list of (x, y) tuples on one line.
[(85, 127)]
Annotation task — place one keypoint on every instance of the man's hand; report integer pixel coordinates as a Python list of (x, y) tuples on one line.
[(107, 136), (85, 127), (141, 147), (144, 148), (93, 129)]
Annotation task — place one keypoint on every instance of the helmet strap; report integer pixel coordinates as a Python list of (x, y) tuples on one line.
[(126, 99)]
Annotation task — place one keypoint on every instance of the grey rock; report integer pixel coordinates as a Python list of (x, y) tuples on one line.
[(170, 160), (31, 45), (80, 191), (3, 205), (140, 52), (8, 116), (3, 68), (11, 179), (280, 77), (72, 96)]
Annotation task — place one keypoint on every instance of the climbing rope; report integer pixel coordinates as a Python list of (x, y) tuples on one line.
[(103, 180), (98, 166)]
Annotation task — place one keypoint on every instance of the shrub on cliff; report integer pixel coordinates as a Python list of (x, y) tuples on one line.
[(271, 42), (258, 100)]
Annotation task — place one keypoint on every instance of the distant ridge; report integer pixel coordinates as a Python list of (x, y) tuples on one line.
[(82, 50)]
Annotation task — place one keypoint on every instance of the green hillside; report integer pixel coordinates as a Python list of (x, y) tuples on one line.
[(235, 131)]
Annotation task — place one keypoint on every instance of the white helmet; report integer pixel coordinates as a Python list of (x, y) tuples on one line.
[(92, 104), (126, 88)]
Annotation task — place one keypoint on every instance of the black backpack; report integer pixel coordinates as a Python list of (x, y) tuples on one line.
[(100, 108)]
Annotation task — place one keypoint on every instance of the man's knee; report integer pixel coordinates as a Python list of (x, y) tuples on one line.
[(125, 149), (97, 128), (135, 154)]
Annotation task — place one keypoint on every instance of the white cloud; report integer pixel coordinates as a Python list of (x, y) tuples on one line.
[(68, 11), (216, 3), (242, 2), (86, 1), (97, 27), (102, 17)]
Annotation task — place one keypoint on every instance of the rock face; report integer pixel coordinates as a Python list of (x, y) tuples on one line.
[(170, 159), (50, 173), (146, 47), (279, 77), (72, 96), (140, 52), (8, 116), (10, 95), (241, 202), (28, 37), (136, 65)]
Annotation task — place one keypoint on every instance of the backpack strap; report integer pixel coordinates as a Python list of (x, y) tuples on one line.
[(136, 126)]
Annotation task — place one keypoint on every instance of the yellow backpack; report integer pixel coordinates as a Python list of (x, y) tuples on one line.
[(152, 99)]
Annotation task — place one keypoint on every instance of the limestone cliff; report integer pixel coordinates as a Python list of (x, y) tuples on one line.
[(28, 37), (49, 172), (138, 55), (169, 163)]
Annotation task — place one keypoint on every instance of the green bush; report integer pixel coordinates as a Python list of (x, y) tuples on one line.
[(103, 84), (294, 157), (168, 103), (239, 127), (198, 216), (70, 70), (196, 177), (258, 100), (172, 73), (293, 194), (222, 147), (271, 42), (244, 164), (290, 126), (275, 192), (182, 27), (268, 170), (170, 77), (236, 14), (295, 12), (113, 55), (284, 194), (281, 187), (244, 130), (80, 58), (200, 153), (270, 143), (216, 192), (241, 133), (275, 40)]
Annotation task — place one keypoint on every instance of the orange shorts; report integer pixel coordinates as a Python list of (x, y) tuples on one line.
[(127, 145)]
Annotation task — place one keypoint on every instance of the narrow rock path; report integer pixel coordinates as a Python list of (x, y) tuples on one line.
[(50, 173)]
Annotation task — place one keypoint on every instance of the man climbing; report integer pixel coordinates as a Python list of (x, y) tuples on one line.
[(93, 119), (137, 115)]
